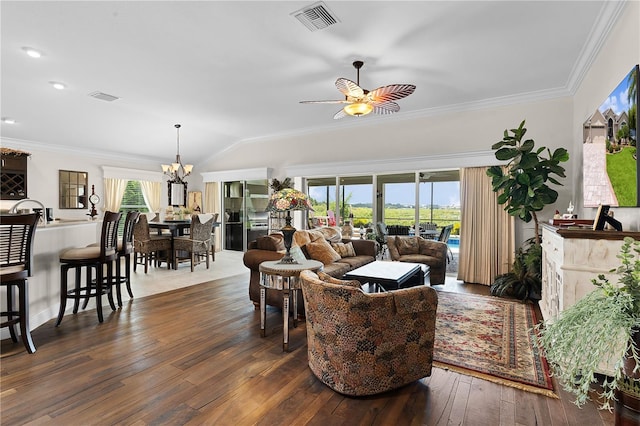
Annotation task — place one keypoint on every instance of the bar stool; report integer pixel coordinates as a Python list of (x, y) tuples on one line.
[(16, 255), (125, 249), (91, 257)]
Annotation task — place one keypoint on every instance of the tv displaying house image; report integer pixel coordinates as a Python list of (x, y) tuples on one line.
[(610, 155)]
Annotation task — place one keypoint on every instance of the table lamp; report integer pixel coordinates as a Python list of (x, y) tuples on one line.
[(285, 200)]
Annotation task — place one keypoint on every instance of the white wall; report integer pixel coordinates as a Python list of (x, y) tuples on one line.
[(548, 123), (42, 175), (619, 53)]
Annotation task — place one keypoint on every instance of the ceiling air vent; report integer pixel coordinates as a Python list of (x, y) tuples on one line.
[(315, 17), (103, 96)]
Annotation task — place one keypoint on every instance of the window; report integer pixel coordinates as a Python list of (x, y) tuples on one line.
[(132, 200), (322, 194), (397, 199), (356, 193), (440, 198)]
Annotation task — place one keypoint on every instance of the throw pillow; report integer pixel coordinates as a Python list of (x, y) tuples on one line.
[(333, 235), (344, 249), (321, 250), (304, 237), (407, 245), (273, 242)]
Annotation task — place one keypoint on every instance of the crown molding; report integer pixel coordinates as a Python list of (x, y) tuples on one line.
[(109, 172), (609, 14), (93, 153), (240, 174)]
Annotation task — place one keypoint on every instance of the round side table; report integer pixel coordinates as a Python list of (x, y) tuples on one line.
[(282, 277)]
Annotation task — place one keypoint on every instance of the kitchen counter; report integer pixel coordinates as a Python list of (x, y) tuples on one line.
[(65, 222), (44, 285)]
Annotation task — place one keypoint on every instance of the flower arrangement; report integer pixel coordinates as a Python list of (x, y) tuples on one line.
[(288, 199)]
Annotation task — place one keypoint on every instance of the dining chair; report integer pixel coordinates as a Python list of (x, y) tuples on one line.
[(16, 258), (381, 238), (92, 257), (213, 237), (149, 247), (445, 233), (332, 218), (197, 243), (125, 249)]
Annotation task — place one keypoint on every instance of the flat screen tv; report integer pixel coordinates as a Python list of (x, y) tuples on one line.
[(610, 158)]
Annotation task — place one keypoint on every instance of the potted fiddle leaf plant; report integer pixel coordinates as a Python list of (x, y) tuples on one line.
[(601, 329), (523, 187)]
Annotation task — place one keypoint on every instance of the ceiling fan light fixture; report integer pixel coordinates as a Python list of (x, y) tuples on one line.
[(358, 109)]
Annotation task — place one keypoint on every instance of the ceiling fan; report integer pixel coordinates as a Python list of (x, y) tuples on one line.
[(361, 102)]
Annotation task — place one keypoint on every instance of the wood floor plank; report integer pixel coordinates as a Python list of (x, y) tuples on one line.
[(483, 394), (195, 356)]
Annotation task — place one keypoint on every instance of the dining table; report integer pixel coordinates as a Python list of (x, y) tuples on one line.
[(176, 227)]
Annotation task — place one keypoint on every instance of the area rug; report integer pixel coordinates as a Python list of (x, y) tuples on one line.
[(490, 338)]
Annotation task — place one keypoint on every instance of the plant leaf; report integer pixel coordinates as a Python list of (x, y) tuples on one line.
[(506, 153)]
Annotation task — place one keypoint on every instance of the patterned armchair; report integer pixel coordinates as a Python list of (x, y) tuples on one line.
[(364, 344), (420, 250)]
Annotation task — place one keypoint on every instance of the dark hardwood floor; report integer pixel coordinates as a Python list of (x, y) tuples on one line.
[(195, 356)]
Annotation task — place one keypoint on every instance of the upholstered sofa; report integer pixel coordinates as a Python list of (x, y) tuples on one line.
[(420, 250), (362, 344), (338, 255)]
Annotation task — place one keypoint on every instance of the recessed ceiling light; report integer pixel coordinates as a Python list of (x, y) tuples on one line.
[(34, 53), (58, 85), (8, 120)]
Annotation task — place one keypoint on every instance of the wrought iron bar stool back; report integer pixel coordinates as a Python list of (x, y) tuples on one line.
[(16, 258)]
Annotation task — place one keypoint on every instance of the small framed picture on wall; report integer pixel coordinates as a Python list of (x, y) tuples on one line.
[(195, 201)]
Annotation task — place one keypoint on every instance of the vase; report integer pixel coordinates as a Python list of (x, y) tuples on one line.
[(629, 362), (347, 230), (626, 408)]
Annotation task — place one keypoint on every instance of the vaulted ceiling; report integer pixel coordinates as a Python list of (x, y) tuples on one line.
[(235, 71)]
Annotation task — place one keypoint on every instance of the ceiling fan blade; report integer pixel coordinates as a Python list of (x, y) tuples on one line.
[(341, 101), (340, 114), (349, 88), (385, 108), (391, 92)]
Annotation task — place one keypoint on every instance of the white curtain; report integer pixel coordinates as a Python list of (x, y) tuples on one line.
[(151, 191), (212, 205), (113, 193), (487, 235)]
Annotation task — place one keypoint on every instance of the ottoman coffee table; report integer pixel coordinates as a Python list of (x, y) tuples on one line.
[(389, 275)]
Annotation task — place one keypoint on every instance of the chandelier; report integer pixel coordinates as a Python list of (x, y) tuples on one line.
[(177, 171)]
